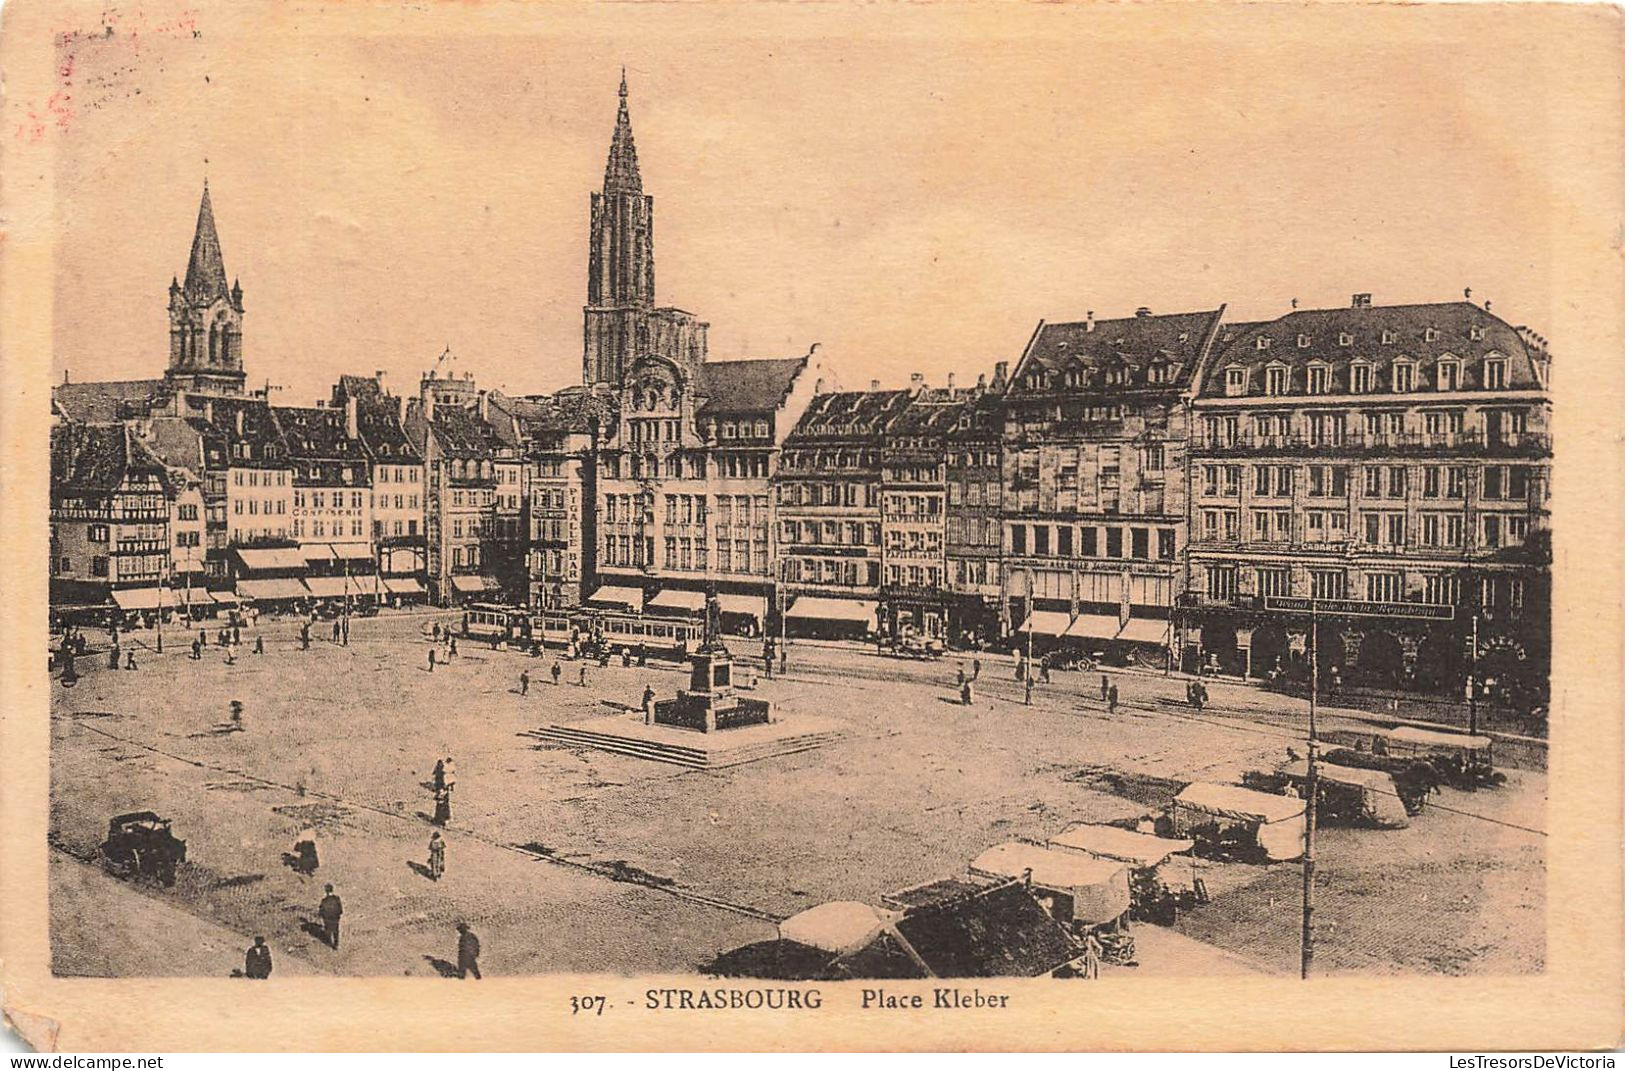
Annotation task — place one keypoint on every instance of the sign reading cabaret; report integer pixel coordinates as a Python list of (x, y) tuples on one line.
[(1358, 608)]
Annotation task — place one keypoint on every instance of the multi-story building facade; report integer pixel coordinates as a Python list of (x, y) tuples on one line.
[(1396, 456), (1096, 422), (974, 540), (331, 513), (397, 481), (828, 501), (258, 478), (460, 453), (111, 502), (914, 512)]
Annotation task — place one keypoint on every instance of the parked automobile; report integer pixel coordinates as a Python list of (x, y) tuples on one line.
[(140, 845)]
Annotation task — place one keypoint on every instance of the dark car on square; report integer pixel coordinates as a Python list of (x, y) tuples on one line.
[(140, 844)]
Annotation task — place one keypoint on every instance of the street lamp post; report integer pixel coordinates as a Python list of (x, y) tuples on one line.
[(1027, 671), (1311, 790)]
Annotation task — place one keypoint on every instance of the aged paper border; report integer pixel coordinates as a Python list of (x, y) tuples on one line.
[(1576, 1003)]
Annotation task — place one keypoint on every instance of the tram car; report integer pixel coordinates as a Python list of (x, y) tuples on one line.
[(595, 631)]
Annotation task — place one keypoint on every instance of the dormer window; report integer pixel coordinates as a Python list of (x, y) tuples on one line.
[(1345, 339), (1262, 342), (1476, 334), (1319, 379), (1303, 341), (1430, 335), (1275, 379), (1235, 381), (1495, 373), (1404, 380), (1448, 375), (1359, 378), (1388, 338)]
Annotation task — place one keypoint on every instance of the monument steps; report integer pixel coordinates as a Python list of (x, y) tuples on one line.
[(722, 752)]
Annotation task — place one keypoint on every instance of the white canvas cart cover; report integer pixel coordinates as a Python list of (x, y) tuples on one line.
[(1123, 845), (1048, 623), (837, 926), (1098, 887), (1278, 819), (1408, 734), (1379, 795), (611, 595)]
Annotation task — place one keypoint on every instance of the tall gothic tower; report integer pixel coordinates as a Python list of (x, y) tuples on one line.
[(206, 317), (620, 263)]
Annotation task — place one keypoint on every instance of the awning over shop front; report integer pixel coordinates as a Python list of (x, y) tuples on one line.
[(613, 596), (403, 585), (812, 608), (221, 598), (1046, 623), (144, 598), (1093, 627), (316, 552), (337, 587), (744, 605), (672, 599), (260, 559), (470, 583), (1145, 630), (352, 551), (273, 589)]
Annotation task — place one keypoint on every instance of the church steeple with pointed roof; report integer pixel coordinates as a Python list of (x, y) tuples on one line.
[(620, 260), (621, 172), (206, 316)]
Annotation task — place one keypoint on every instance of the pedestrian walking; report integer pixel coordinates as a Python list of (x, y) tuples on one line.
[(306, 858), (257, 960), (112, 658), (197, 651), (436, 633), (231, 657), (524, 682), (960, 682), (453, 651), (582, 681), (259, 644), (626, 657), (202, 637), (449, 774), (643, 655), (1105, 687), (976, 669), (1111, 700), (468, 952), (648, 704), (236, 635), (1043, 670), (784, 661), (1091, 956), (335, 630), (437, 855), (304, 637), (129, 659), (346, 632), (439, 774), (237, 715), (964, 692), (556, 671), (331, 910), (442, 806)]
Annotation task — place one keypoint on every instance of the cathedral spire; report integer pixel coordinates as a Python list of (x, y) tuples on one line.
[(206, 270), (621, 172)]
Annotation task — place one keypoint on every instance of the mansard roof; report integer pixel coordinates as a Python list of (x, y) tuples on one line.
[(1140, 352), (98, 458), (1377, 336), (748, 386), (109, 400), (316, 433), (462, 434), (848, 415)]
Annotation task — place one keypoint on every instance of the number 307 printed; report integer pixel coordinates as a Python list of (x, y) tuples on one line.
[(585, 1005)]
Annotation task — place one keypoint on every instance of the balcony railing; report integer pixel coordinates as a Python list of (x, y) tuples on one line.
[(1523, 443)]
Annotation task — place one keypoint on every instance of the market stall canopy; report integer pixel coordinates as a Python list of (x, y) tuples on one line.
[(1240, 804), (271, 590), (403, 585), (1407, 734), (1098, 887), (257, 559), (467, 582), (144, 598), (1092, 627), (1145, 630), (611, 595), (744, 605), (1379, 794), (692, 602), (1123, 845), (1049, 623), (813, 608), (837, 926), (1000, 933)]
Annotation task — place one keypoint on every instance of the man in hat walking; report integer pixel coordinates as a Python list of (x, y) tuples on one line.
[(468, 952), (524, 682), (331, 910), (257, 960), (437, 855)]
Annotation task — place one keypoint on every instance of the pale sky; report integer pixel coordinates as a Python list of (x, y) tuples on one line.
[(914, 191)]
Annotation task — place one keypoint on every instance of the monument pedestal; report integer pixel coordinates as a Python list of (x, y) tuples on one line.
[(709, 704)]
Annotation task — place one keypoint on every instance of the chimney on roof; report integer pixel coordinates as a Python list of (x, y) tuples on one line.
[(382, 384), (1361, 301), (239, 422), (1001, 371), (208, 411), (950, 381), (1142, 312), (428, 406), (981, 380), (64, 377), (1486, 304), (874, 384), (485, 405), (1089, 320), (916, 381), (818, 386), (352, 418), (401, 415)]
